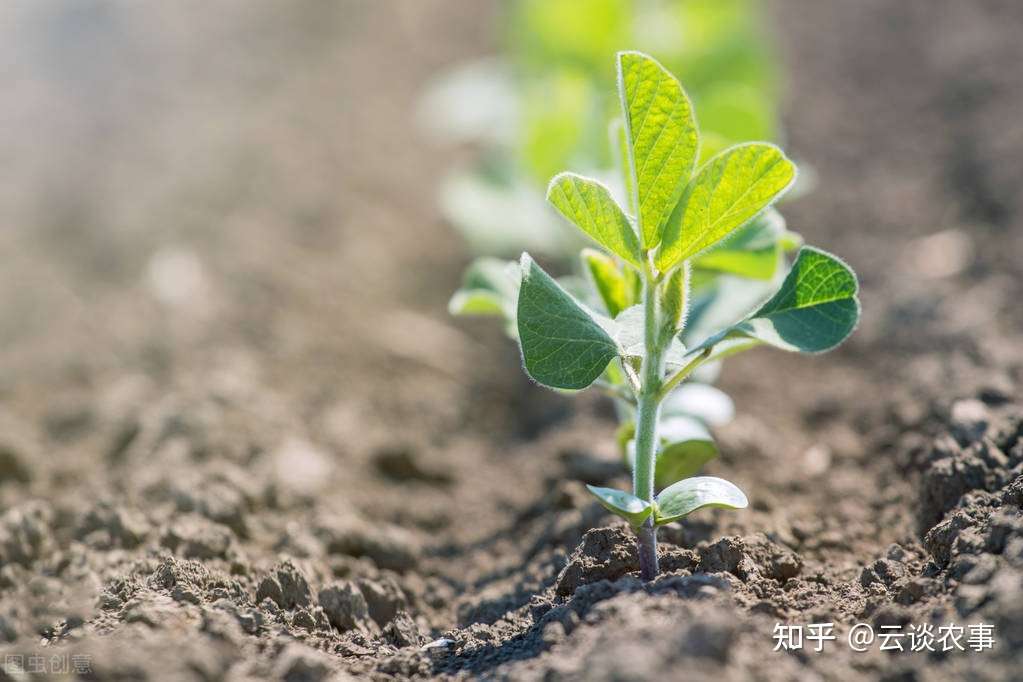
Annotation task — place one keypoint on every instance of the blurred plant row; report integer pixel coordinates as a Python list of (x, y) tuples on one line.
[(544, 105)]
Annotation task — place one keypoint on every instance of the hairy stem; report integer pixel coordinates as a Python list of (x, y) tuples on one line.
[(646, 425), (681, 375)]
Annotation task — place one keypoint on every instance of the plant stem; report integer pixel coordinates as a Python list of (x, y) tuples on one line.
[(646, 538), (646, 425), (681, 375)]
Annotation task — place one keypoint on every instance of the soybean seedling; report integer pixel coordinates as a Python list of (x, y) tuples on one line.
[(675, 216)]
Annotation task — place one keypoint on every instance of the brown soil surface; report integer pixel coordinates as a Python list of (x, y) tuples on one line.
[(292, 464)]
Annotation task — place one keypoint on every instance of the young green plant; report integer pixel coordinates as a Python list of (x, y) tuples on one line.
[(676, 218)]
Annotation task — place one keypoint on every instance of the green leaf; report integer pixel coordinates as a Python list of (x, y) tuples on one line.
[(737, 112), (814, 311), (490, 287), (687, 446), (790, 241), (634, 282), (626, 505), (727, 192), (563, 343), (661, 131), (754, 264), (683, 498), (475, 303), (753, 251), (589, 205), (552, 108), (674, 299), (608, 281)]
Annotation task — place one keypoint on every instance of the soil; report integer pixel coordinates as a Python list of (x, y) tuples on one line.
[(240, 438)]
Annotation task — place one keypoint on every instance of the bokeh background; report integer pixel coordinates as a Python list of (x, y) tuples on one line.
[(228, 237)]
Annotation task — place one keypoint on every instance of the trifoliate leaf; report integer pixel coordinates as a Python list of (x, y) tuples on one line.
[(683, 498), (686, 447), (814, 311), (626, 505), (608, 280), (590, 207), (564, 344), (662, 137), (727, 192)]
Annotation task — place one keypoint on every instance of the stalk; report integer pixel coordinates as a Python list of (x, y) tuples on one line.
[(646, 425)]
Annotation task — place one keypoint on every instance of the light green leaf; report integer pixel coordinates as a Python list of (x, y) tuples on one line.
[(675, 299), (790, 241), (564, 345), (490, 287), (753, 251), (552, 107), (754, 263), (687, 446), (608, 281), (475, 303), (683, 498), (727, 192), (814, 311), (737, 112), (662, 135), (626, 505), (589, 205)]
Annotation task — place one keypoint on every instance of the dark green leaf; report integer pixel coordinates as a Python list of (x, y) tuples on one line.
[(564, 345), (814, 311)]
